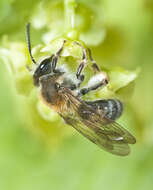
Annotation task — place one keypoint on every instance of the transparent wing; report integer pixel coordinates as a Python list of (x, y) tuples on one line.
[(102, 131)]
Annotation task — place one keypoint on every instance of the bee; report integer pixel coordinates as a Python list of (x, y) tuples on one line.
[(93, 119)]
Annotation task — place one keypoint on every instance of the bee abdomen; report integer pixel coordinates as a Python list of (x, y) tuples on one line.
[(111, 108), (114, 109)]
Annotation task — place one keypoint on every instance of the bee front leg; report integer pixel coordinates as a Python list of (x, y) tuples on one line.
[(56, 56)]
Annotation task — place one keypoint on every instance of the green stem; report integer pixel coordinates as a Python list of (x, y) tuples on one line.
[(70, 6), (70, 13)]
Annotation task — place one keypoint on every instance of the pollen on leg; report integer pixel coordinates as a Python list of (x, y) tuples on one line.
[(98, 78)]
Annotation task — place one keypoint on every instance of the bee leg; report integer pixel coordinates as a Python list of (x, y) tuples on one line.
[(99, 79), (56, 56), (71, 84), (81, 79), (82, 64), (93, 87), (95, 67)]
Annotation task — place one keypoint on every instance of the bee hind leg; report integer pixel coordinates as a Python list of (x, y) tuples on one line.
[(97, 81), (93, 87), (100, 78), (95, 67), (82, 64)]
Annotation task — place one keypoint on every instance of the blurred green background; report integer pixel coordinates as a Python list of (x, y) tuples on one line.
[(37, 153)]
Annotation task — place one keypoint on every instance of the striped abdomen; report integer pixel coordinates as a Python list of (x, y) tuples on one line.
[(111, 108)]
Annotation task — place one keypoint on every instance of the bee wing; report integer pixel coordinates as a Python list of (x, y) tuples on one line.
[(101, 139), (102, 131)]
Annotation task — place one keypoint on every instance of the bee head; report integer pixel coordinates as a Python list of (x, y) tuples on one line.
[(47, 66), (43, 69)]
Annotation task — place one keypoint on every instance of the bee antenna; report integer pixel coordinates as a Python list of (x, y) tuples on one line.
[(29, 42)]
